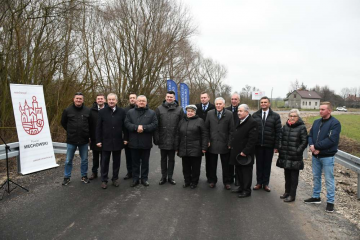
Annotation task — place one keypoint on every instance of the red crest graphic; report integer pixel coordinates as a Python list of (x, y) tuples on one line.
[(32, 117)]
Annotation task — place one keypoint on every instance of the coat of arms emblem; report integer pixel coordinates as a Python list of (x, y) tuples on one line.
[(32, 117)]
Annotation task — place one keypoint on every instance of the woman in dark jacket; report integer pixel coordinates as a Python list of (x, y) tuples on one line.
[(242, 145), (191, 142), (293, 141)]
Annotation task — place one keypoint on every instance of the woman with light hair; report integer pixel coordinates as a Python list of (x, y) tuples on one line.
[(293, 141)]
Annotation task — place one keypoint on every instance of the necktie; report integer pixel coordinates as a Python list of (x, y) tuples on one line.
[(204, 109), (219, 115), (233, 109), (264, 118)]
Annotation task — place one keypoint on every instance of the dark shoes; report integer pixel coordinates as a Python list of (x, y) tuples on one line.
[(227, 186), (285, 195), (134, 183), (171, 181), (257, 187), (104, 185), (145, 183), (193, 186), (115, 183), (186, 185), (238, 190), (266, 188), (244, 195), (162, 181), (93, 176), (329, 207), (66, 181), (313, 200), (85, 179), (128, 176), (212, 185), (289, 199)]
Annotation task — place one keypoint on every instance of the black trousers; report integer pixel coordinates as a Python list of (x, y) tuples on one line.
[(128, 160), (244, 173), (211, 164), (96, 160), (167, 163), (264, 157), (191, 169), (291, 181), (105, 161), (207, 165), (140, 160)]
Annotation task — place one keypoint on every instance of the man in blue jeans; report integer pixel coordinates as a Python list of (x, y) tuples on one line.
[(323, 141), (75, 120)]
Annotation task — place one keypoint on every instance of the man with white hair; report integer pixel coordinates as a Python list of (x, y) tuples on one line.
[(220, 123), (109, 135)]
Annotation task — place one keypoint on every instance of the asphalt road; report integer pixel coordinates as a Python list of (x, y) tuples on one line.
[(85, 211)]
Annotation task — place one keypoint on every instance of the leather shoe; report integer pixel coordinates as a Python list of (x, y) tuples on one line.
[(212, 185), (162, 181), (266, 188), (93, 176), (227, 187), (115, 183), (257, 187), (285, 195), (134, 183), (128, 176), (145, 183), (104, 185), (171, 181), (192, 186), (238, 190), (244, 195), (186, 185), (289, 199)]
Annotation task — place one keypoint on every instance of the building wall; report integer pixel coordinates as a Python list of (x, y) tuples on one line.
[(295, 101)]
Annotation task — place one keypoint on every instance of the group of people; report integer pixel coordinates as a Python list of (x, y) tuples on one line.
[(203, 129)]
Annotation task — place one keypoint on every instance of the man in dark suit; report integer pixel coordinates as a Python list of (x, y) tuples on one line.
[(132, 101), (220, 123), (235, 102), (269, 129), (109, 136), (201, 110)]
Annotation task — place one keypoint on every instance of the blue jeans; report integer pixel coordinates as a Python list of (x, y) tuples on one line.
[(325, 164), (71, 148)]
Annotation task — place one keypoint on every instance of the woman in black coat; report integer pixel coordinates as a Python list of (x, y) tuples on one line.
[(191, 141), (293, 141), (242, 146)]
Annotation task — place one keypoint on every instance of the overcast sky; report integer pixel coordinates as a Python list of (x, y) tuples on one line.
[(269, 43)]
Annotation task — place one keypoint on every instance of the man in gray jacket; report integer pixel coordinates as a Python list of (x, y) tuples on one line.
[(220, 123), (169, 114)]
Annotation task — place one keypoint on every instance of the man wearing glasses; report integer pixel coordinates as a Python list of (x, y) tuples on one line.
[(75, 120)]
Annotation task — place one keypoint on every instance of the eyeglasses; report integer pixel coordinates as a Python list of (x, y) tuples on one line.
[(292, 116)]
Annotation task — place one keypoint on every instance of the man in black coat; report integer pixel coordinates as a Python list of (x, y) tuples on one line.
[(220, 123), (97, 106), (132, 101), (235, 102), (109, 135), (75, 120), (202, 110), (141, 123), (269, 129), (242, 144), (169, 114)]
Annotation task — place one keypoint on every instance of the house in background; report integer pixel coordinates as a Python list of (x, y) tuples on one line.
[(303, 99)]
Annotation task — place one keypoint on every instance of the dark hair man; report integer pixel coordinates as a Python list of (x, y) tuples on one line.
[(75, 120), (169, 114), (96, 151), (323, 141), (141, 122), (269, 129), (220, 123), (132, 101), (109, 135)]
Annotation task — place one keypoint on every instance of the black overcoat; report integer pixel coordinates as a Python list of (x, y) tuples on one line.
[(202, 114), (94, 112)]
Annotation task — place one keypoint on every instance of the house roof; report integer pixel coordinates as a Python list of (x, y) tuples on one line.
[(308, 94)]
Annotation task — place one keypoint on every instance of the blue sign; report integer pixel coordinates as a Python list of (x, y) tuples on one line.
[(171, 86), (185, 95)]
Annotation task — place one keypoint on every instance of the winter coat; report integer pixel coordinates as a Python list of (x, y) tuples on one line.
[(145, 117), (169, 116), (75, 120), (127, 108), (325, 136), (110, 129), (220, 131), (244, 139), (235, 114), (293, 141), (192, 137), (269, 135), (202, 114), (92, 121)]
